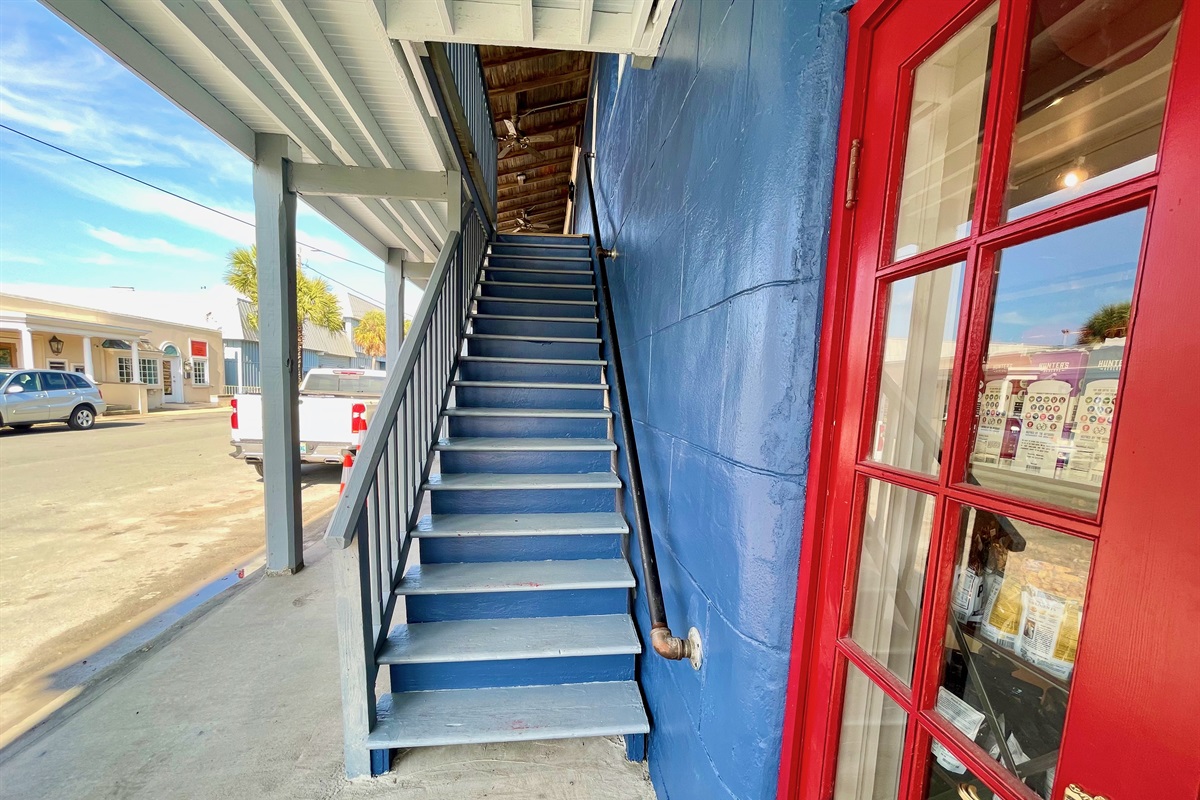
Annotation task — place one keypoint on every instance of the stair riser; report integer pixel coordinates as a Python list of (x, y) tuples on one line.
[(540, 238), (500, 306), (517, 271), (522, 501), (528, 427), (582, 251), (536, 292), (515, 605), (511, 397), (523, 672), (475, 549), (527, 463), (585, 329), (529, 373), (516, 348)]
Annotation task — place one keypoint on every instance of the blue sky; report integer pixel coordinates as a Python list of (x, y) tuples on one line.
[(63, 221)]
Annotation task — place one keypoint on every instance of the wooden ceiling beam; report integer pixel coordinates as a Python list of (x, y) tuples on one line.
[(540, 185), (524, 56), (533, 198), (539, 83)]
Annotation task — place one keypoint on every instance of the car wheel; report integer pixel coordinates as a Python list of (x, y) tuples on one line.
[(258, 467), (82, 418)]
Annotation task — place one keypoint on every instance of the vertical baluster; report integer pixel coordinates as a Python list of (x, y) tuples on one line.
[(384, 492), (371, 510), (399, 520)]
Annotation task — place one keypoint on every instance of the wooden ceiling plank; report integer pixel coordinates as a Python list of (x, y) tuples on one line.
[(539, 83)]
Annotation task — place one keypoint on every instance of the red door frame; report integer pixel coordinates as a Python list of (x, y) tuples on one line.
[(1149, 492)]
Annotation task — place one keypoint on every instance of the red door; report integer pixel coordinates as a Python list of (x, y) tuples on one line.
[(1001, 588)]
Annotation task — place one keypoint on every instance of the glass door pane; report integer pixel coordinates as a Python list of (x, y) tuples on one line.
[(1059, 321), (945, 126), (920, 342), (1012, 634), (871, 746), (897, 523), (1092, 98)]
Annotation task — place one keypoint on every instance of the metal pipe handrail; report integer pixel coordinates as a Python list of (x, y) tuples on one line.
[(663, 641)]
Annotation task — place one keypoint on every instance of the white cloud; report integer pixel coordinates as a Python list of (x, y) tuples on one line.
[(98, 259), (134, 244), (16, 258)]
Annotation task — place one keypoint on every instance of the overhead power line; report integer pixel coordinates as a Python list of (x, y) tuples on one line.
[(197, 203)]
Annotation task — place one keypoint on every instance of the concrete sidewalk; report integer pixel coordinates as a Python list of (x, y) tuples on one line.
[(242, 701)]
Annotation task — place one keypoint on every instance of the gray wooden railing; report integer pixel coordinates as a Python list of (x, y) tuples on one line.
[(456, 75), (369, 531)]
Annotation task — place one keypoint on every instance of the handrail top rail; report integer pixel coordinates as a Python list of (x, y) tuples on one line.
[(344, 523)]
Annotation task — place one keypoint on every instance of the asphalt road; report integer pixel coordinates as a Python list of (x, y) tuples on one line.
[(103, 530)]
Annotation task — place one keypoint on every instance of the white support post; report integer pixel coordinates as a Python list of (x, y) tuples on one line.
[(87, 358), (393, 312), (27, 349), (135, 375), (275, 222), (454, 201)]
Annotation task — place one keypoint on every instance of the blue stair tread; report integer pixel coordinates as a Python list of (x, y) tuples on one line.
[(582, 245), (528, 385), (573, 287), (520, 318), (506, 714), (453, 525), (516, 576), (516, 257), (524, 338), (573, 362), (489, 299), (498, 444), (548, 413), (510, 639), (503, 481)]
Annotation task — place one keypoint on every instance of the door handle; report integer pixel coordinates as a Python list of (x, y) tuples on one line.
[(1073, 792)]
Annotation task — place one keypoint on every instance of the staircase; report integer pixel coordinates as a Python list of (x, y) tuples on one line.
[(518, 615)]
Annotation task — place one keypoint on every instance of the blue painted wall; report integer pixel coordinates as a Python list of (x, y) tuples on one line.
[(714, 176)]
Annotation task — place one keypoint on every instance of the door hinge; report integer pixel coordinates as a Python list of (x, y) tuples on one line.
[(856, 149), (852, 173)]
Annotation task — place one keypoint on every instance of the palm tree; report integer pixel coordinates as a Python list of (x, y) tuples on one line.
[(371, 334), (1107, 322), (315, 303)]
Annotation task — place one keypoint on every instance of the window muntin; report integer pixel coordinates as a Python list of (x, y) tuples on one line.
[(1059, 320), (1093, 95), (125, 369), (945, 130)]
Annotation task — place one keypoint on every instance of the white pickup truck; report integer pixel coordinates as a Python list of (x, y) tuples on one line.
[(330, 399)]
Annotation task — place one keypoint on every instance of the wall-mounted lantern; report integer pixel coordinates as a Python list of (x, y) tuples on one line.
[(56, 345)]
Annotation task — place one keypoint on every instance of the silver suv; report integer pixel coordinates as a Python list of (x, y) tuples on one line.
[(30, 396)]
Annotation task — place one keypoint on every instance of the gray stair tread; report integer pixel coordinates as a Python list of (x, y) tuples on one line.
[(503, 481), (518, 445), (535, 300), (548, 413), (573, 362), (529, 385), (572, 286), (506, 714), (517, 338), (516, 576), (519, 318), (505, 639), (438, 526)]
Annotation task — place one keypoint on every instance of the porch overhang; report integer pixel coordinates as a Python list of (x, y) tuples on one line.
[(323, 73), (39, 323)]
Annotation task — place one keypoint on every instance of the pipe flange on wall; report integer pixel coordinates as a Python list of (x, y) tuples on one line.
[(696, 651)]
